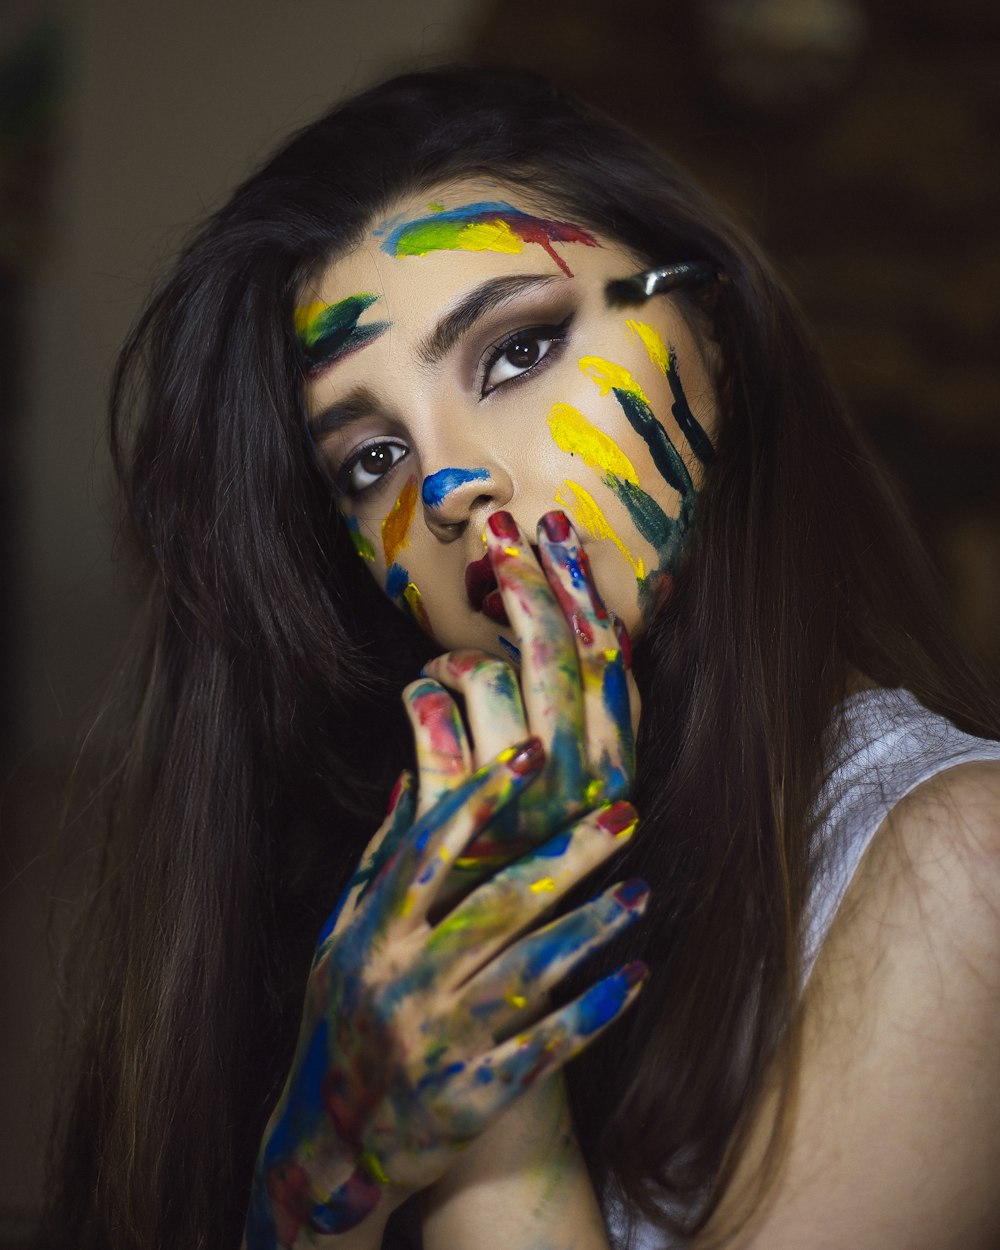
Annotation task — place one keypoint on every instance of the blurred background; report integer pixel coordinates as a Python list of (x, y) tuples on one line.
[(858, 139)]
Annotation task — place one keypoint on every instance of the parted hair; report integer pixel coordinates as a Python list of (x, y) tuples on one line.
[(260, 723)]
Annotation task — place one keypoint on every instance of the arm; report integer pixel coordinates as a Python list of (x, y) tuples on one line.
[(895, 1134)]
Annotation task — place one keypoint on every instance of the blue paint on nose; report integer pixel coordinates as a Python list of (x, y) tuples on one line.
[(439, 485)]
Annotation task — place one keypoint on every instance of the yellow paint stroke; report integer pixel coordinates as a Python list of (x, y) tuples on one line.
[(374, 1166), (588, 515), (412, 599), (575, 435), (516, 1000), (606, 375), (305, 316), (655, 347), (544, 885), (396, 526)]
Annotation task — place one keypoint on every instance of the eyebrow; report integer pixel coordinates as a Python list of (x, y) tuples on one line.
[(483, 299), (492, 294), (358, 403)]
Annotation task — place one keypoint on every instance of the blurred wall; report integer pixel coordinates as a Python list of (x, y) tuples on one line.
[(162, 108)]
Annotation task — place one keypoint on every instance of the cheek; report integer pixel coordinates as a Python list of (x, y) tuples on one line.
[(633, 457), (384, 544)]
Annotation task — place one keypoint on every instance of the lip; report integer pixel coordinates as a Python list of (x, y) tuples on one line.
[(482, 589)]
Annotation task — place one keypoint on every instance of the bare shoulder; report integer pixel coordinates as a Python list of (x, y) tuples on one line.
[(895, 1130), (957, 809)]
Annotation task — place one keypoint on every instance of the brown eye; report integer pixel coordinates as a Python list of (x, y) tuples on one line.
[(519, 353), (368, 466)]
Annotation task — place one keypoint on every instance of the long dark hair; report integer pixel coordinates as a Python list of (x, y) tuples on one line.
[(262, 721)]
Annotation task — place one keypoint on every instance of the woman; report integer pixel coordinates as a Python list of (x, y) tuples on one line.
[(422, 329)]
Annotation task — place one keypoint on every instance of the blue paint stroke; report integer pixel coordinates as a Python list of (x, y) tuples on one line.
[(513, 652), (439, 485), (601, 1003), (396, 581)]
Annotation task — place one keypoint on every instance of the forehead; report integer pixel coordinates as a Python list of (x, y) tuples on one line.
[(430, 246)]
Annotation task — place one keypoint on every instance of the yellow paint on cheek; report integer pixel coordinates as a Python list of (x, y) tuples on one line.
[(607, 376), (588, 515), (396, 526), (412, 599), (576, 436), (655, 347)]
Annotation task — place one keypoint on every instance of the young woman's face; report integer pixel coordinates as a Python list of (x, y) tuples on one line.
[(464, 359)]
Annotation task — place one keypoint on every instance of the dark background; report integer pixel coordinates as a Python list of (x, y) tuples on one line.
[(857, 140)]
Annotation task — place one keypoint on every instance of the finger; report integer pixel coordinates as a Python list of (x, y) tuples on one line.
[(550, 679), (516, 984), (492, 698), (514, 1066), (444, 757), (398, 819), (497, 911), (603, 671), (413, 879)]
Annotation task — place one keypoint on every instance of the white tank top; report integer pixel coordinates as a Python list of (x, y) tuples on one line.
[(889, 745)]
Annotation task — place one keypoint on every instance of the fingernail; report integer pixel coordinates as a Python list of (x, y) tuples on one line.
[(634, 972), (620, 819), (556, 526), (502, 525), (397, 791), (528, 759), (625, 642), (632, 892)]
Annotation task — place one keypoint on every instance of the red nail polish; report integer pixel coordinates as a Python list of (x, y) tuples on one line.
[(503, 525), (397, 791), (529, 759), (617, 818), (556, 526), (632, 892), (625, 642), (634, 972)]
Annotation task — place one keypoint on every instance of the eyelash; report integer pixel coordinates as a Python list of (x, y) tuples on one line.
[(554, 335)]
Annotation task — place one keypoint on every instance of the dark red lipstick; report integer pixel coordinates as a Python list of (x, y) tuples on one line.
[(483, 591)]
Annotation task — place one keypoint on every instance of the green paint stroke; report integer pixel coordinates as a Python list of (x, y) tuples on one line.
[(329, 332), (486, 226), (362, 543), (689, 425)]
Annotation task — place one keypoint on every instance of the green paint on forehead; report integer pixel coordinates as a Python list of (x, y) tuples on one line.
[(329, 332), (486, 226)]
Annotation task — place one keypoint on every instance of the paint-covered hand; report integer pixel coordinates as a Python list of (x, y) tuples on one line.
[(419, 1029), (575, 692)]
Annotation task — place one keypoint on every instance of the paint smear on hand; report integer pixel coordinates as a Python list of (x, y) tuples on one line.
[(396, 526), (329, 332), (587, 513), (486, 226), (577, 436)]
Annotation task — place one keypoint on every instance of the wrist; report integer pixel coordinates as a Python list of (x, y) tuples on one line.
[(289, 1208)]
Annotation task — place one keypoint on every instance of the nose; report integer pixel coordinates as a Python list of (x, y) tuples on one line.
[(454, 496)]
